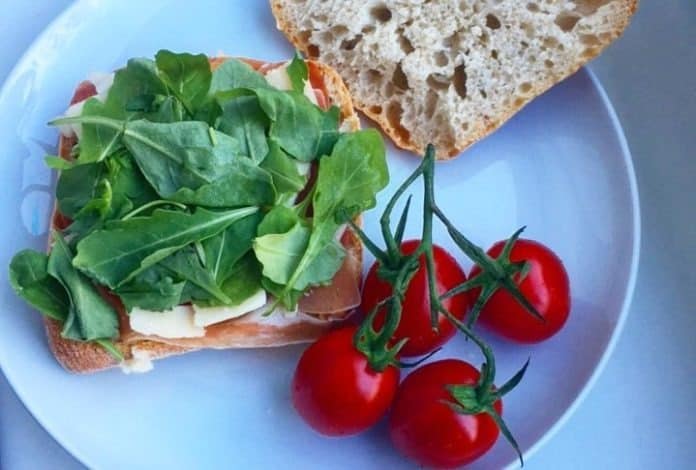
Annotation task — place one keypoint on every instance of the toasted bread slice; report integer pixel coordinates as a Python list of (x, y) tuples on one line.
[(450, 72), (251, 330)]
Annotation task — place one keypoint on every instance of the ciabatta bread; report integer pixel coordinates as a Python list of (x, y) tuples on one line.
[(251, 330), (450, 71)]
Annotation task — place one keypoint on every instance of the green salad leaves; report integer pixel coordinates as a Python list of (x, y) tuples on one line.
[(185, 187)]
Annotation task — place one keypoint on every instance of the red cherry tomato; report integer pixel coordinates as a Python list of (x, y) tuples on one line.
[(336, 391), (415, 317), (429, 431), (546, 286)]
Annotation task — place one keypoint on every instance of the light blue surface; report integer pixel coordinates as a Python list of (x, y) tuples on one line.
[(634, 435)]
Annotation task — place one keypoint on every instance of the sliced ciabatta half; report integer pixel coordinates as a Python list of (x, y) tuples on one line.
[(450, 71), (318, 310)]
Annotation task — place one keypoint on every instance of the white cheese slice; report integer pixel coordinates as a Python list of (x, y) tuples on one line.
[(140, 362), (204, 316), (279, 78), (174, 323)]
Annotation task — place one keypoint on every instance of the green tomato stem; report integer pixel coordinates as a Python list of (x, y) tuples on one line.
[(393, 249)]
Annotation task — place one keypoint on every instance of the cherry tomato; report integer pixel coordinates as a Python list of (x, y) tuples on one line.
[(336, 391), (429, 431), (546, 286), (415, 317)]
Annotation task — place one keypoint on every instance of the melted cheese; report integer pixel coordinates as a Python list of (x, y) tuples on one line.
[(174, 323), (139, 363), (204, 316), (189, 321), (279, 78)]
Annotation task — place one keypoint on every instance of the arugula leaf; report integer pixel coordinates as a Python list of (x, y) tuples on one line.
[(137, 80), (181, 160), (188, 77), (157, 108), (280, 219), (321, 260), (328, 133), (348, 182), (93, 214), (283, 170), (145, 103), (90, 317), (243, 119), (153, 289), (244, 280), (93, 193), (97, 142), (280, 253), (179, 154), (298, 73), (351, 177), (57, 163), (100, 204), (77, 186), (226, 248), (194, 294), (300, 257), (301, 128), (283, 242), (30, 280), (209, 112), (233, 74), (244, 185), (169, 109), (186, 265), (140, 242), (129, 187)]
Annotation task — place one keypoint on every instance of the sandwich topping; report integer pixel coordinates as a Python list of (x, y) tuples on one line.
[(197, 191)]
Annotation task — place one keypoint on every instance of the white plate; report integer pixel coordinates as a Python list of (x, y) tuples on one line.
[(561, 167)]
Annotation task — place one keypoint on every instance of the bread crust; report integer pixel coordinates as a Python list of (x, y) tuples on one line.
[(477, 130), (83, 357)]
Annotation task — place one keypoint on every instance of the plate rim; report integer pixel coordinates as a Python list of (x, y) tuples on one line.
[(636, 235), (627, 159)]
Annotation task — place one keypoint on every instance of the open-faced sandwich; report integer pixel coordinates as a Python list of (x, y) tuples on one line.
[(201, 203)]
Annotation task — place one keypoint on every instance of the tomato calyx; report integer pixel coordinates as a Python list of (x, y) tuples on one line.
[(374, 344), (481, 398), (495, 273)]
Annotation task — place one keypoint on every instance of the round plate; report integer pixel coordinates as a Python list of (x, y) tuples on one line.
[(561, 167)]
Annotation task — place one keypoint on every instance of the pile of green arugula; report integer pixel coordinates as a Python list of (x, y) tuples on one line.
[(183, 189)]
